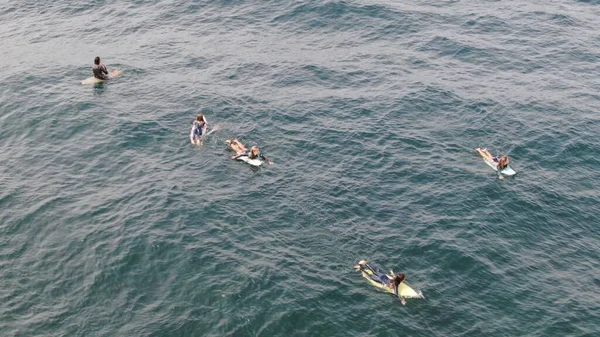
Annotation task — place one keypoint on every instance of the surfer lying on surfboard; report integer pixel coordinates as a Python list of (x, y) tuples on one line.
[(241, 150), (199, 126), (379, 276), (500, 162)]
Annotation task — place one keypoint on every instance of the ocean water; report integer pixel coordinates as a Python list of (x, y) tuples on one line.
[(112, 224)]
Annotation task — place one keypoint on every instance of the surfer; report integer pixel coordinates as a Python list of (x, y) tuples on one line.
[(99, 69), (241, 150), (199, 126), (501, 162), (378, 275)]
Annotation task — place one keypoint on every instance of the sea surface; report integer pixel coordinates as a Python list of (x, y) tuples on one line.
[(113, 224)]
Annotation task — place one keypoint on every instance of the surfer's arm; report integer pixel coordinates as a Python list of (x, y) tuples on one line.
[(103, 68), (265, 159), (402, 300)]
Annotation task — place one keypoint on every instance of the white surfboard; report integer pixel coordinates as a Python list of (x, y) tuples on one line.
[(92, 80), (253, 162), (508, 171), (404, 290)]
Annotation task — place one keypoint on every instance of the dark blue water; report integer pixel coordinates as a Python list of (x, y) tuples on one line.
[(112, 224)]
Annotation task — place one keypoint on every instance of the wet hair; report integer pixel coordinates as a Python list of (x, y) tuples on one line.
[(251, 154), (97, 60), (200, 117), (399, 278), (503, 161)]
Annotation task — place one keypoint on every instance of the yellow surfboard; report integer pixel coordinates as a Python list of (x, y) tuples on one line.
[(93, 80), (404, 290)]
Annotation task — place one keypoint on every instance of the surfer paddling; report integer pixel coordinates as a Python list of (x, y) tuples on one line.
[(241, 150), (392, 281), (99, 70), (501, 162)]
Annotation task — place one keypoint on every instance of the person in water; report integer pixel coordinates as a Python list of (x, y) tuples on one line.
[(241, 150), (379, 276), (501, 162), (199, 126), (99, 69)]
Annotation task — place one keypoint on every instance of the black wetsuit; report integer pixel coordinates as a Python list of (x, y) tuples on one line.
[(100, 71)]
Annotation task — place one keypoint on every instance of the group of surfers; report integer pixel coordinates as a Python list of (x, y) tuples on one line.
[(199, 128), (199, 125), (393, 281)]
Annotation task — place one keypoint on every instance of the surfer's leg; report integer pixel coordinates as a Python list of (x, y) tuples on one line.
[(377, 273), (235, 146), (485, 154), (379, 278), (240, 145), (374, 278), (230, 143), (360, 265)]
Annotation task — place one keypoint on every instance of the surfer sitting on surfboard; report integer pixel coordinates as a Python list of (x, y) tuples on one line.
[(378, 275), (99, 69), (241, 150), (199, 126), (501, 162)]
